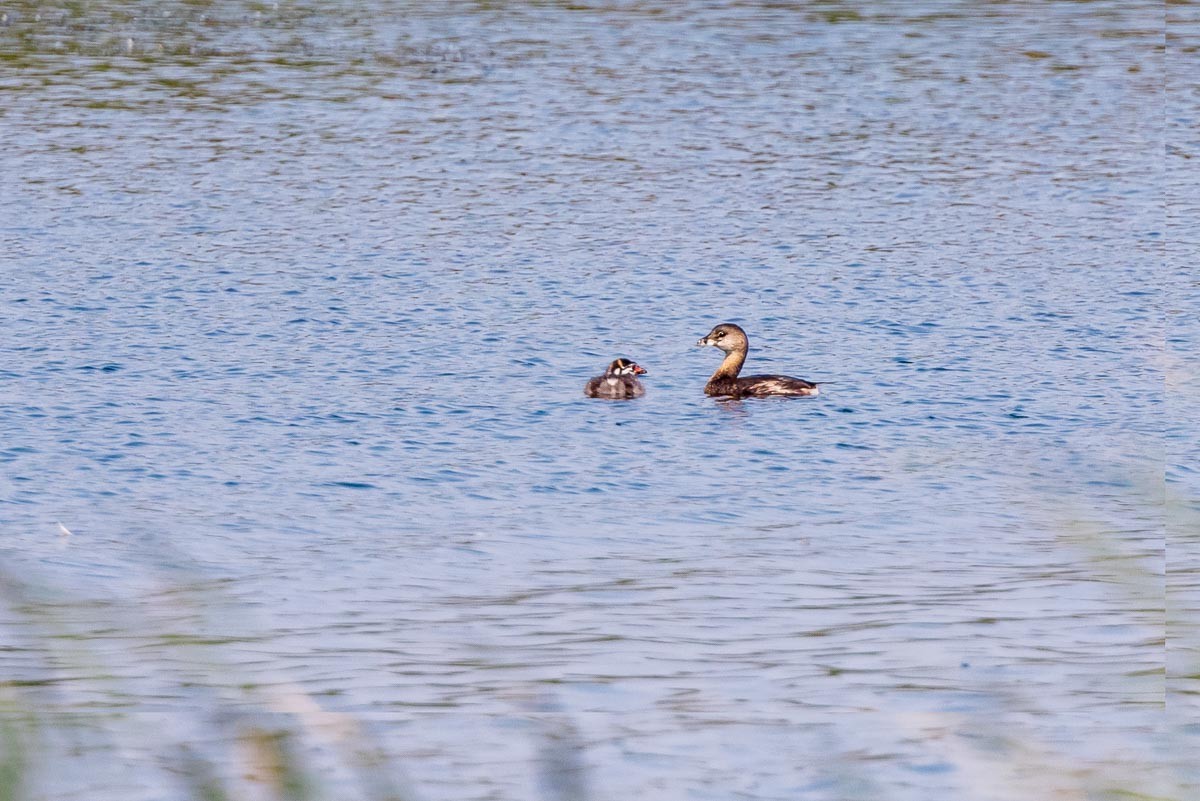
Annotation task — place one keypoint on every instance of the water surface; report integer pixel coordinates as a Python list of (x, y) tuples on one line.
[(299, 302)]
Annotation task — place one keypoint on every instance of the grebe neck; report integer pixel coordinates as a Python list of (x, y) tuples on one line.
[(732, 364)]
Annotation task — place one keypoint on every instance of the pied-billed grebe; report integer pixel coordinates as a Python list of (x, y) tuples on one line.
[(618, 382), (725, 382)]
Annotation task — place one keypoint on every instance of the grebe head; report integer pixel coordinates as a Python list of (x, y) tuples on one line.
[(625, 367), (726, 336)]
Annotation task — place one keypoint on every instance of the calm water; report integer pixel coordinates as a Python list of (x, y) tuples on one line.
[(298, 302)]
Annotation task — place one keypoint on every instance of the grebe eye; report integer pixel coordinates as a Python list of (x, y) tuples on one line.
[(720, 334)]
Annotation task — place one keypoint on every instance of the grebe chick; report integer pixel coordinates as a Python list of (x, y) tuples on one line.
[(725, 383), (618, 382)]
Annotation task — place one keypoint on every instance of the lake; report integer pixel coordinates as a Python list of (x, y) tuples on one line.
[(299, 299)]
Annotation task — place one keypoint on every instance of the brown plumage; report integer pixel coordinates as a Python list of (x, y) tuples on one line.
[(732, 340), (618, 382)]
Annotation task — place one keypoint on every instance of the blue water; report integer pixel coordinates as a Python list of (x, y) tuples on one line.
[(298, 309)]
